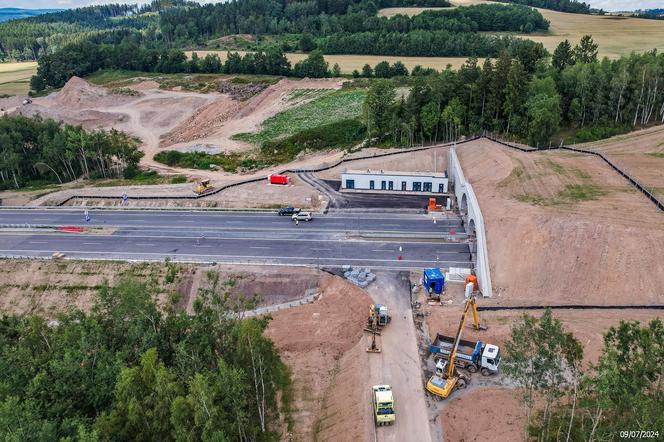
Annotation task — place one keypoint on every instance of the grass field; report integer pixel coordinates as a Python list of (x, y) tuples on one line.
[(615, 35), (15, 77), (330, 107), (348, 63)]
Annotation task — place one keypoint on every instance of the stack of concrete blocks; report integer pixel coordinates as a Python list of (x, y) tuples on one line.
[(358, 276)]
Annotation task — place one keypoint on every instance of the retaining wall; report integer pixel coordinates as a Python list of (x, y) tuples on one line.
[(463, 191)]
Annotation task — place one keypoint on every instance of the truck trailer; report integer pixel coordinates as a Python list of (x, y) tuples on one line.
[(472, 356)]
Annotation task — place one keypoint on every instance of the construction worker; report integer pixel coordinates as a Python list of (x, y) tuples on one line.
[(297, 222), (472, 278)]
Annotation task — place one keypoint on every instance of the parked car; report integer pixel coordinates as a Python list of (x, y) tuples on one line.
[(284, 211), (302, 216)]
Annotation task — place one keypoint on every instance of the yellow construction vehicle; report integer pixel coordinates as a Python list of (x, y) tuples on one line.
[(378, 317), (203, 187), (447, 378)]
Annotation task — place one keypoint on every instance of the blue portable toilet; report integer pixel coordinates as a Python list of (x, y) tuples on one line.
[(434, 281)]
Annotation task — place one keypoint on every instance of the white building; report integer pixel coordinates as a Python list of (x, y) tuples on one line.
[(424, 182)]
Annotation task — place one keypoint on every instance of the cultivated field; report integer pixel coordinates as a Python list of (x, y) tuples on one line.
[(615, 35), (15, 77), (348, 63)]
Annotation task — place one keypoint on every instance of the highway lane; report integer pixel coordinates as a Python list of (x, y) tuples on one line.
[(374, 240), (381, 222), (324, 252)]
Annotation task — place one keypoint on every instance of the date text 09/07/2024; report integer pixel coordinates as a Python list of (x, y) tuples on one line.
[(639, 434)]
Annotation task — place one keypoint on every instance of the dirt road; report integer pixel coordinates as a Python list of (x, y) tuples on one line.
[(398, 364)]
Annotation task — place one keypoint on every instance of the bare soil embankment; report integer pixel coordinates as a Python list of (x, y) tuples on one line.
[(321, 343), (564, 228)]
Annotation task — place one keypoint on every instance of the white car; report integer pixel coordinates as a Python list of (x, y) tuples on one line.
[(302, 216)]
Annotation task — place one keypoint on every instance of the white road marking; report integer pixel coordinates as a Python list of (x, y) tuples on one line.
[(258, 247), (92, 243), (322, 250), (37, 242), (202, 246), (145, 245), (383, 251)]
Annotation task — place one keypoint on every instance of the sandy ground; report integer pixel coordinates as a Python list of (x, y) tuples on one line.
[(217, 122), (599, 251), (312, 340), (545, 249), (641, 154), (174, 119)]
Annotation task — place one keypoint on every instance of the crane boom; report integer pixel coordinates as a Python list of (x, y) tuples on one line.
[(450, 365)]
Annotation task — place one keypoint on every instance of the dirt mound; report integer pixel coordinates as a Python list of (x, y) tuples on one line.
[(564, 228), (241, 92), (312, 339), (204, 122), (220, 120), (79, 94)]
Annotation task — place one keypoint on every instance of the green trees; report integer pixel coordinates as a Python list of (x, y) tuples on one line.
[(595, 98), (563, 55), (313, 66), (543, 111), (622, 391), (586, 50), (130, 370), (538, 355), (43, 150), (377, 106)]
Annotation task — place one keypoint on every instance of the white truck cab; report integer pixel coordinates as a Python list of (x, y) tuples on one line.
[(490, 359)]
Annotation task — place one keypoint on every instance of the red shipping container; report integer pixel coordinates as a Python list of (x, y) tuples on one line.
[(278, 179)]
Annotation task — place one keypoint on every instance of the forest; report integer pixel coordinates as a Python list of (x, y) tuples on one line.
[(594, 99), (135, 368), (44, 151), (346, 26), (555, 5), (86, 58), (566, 400)]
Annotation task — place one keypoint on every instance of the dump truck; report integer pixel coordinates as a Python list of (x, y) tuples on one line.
[(203, 187), (383, 405), (472, 356)]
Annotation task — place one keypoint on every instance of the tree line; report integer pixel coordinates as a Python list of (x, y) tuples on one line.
[(531, 101), (424, 44), (573, 6), (622, 391), (86, 58), (32, 149), (131, 369)]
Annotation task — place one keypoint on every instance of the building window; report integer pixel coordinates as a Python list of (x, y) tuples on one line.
[(383, 185), (390, 185), (371, 185), (403, 185), (350, 184), (417, 186), (441, 188), (427, 187)]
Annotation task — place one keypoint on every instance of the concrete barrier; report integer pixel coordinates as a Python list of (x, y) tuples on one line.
[(470, 210)]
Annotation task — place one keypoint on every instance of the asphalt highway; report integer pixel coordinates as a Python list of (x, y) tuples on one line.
[(382, 240)]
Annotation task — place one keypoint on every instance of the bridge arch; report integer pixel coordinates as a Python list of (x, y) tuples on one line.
[(463, 204)]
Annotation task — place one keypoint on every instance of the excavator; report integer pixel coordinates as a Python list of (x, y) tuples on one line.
[(203, 187), (378, 317), (447, 378)]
